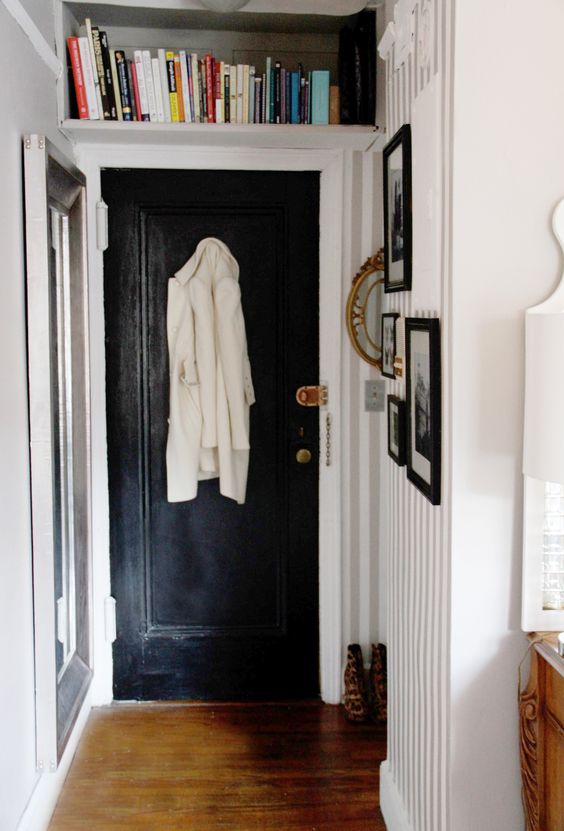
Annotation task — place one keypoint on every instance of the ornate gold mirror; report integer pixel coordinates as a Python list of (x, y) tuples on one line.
[(364, 309)]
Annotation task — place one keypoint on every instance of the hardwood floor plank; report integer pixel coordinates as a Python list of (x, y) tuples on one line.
[(186, 767)]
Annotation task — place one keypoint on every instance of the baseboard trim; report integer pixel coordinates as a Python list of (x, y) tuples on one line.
[(391, 803), (43, 800)]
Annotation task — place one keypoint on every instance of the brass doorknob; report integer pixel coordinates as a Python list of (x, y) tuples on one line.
[(303, 456)]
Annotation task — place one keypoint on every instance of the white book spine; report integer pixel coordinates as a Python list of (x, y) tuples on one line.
[(185, 89), (196, 86), (158, 89), (251, 95), (87, 74), (148, 70), (240, 85), (142, 87), (164, 84), (246, 69), (90, 39)]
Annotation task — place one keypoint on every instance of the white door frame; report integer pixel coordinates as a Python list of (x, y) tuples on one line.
[(330, 163)]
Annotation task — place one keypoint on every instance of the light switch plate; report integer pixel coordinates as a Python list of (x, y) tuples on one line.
[(374, 396)]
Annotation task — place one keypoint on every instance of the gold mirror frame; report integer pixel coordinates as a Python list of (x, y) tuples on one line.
[(367, 288)]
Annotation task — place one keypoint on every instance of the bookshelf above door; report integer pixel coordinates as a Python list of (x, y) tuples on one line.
[(245, 37)]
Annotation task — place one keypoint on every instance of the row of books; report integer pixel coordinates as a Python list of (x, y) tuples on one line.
[(180, 86)]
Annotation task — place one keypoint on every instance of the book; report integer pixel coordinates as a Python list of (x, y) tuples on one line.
[(185, 89), (124, 87), (115, 82), (111, 87), (90, 41), (251, 93), (87, 75), (319, 95), (159, 101), (136, 109), (99, 61), (217, 93), (164, 83), (240, 82), (178, 81), (203, 92), (190, 87), (272, 97), (210, 92), (140, 87), (294, 97), (196, 87), (149, 84), (283, 96), (227, 93), (172, 93), (263, 102), (334, 104), (266, 93), (258, 100), (233, 94), (246, 75), (80, 91), (277, 92)]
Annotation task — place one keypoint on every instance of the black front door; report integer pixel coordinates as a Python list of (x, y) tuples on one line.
[(214, 600)]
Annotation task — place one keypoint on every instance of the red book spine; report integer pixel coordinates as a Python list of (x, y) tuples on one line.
[(136, 90), (76, 65), (210, 88)]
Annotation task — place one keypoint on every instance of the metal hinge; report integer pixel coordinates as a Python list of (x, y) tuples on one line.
[(312, 396)]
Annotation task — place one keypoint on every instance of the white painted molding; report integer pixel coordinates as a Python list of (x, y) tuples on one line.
[(391, 805), (31, 31), (41, 805), (400, 33)]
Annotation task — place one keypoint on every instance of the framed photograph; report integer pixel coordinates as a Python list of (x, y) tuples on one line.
[(423, 352), (397, 211), (396, 429), (388, 329)]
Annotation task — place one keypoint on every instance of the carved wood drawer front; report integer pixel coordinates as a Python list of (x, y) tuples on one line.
[(554, 750), (555, 694)]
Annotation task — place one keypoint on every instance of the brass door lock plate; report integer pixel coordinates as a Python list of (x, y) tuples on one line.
[(312, 396)]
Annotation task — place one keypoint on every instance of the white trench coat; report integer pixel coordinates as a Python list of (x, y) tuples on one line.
[(210, 376)]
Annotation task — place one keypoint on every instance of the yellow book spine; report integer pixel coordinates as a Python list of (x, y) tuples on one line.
[(172, 93)]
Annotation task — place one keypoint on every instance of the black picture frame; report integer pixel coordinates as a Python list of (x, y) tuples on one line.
[(423, 400), (396, 429), (388, 354), (397, 211)]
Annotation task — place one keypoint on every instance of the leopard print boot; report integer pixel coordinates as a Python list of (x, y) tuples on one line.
[(377, 683), (356, 699)]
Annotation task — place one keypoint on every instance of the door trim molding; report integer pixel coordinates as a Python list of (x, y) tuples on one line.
[(330, 164)]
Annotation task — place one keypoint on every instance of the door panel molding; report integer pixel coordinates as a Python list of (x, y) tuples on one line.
[(330, 163)]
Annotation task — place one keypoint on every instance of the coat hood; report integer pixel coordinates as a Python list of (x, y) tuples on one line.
[(211, 258)]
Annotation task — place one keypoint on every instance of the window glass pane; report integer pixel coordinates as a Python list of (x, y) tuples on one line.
[(553, 547)]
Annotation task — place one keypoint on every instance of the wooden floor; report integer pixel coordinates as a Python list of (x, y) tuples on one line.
[(227, 766)]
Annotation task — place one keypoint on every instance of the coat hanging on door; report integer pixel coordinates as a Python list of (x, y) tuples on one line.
[(210, 376)]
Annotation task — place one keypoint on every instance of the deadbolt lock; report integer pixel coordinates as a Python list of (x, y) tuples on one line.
[(303, 456), (312, 396)]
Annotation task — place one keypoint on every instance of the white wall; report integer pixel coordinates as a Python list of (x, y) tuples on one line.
[(27, 104), (508, 176)]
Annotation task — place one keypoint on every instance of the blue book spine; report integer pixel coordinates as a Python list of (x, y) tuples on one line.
[(294, 97), (319, 92)]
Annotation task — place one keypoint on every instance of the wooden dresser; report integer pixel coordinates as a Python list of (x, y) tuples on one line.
[(542, 738)]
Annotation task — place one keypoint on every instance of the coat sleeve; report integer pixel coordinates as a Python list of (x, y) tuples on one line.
[(232, 347), (204, 345)]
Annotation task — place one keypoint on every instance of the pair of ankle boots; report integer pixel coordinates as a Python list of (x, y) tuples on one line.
[(366, 698)]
